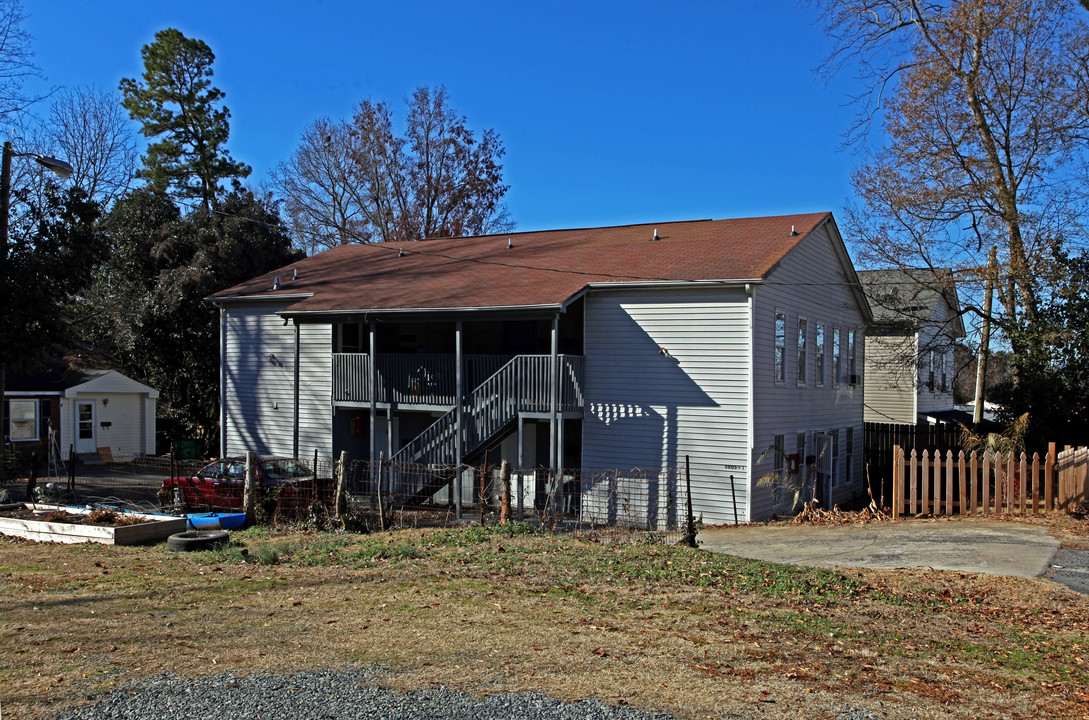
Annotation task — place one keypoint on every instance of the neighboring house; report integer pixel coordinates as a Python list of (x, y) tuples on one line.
[(97, 413), (601, 348), (910, 364)]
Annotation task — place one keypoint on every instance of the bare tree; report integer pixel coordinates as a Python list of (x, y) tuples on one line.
[(982, 118), (321, 187), (90, 130), (16, 60), (361, 182)]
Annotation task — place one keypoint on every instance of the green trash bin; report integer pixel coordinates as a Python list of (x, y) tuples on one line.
[(186, 449)]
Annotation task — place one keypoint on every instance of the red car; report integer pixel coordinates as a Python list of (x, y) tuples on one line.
[(219, 486)]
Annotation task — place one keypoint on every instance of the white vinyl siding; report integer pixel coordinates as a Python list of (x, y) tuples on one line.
[(830, 304), (260, 383), (891, 379), (935, 339), (649, 410)]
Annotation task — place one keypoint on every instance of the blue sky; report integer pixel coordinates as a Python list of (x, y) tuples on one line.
[(611, 112)]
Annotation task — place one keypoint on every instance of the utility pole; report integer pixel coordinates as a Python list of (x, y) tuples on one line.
[(985, 337)]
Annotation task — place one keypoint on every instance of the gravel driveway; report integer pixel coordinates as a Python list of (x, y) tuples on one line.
[(343, 695)]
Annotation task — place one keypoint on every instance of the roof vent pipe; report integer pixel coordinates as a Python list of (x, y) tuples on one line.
[(655, 235), (295, 274), (509, 244), (276, 283), (793, 232), (401, 252)]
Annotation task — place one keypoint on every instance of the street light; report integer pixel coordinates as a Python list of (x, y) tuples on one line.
[(59, 168)]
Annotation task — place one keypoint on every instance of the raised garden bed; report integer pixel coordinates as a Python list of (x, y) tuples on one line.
[(66, 524)]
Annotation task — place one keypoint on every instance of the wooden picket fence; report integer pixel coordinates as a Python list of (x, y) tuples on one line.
[(989, 482)]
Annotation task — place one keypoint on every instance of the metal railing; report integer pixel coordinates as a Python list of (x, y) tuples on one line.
[(429, 379), (521, 385)]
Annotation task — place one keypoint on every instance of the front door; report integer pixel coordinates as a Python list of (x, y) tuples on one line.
[(85, 427)]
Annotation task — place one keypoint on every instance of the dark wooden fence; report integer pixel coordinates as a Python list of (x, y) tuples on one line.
[(879, 439)]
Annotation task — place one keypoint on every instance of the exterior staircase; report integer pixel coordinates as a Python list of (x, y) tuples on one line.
[(521, 385)]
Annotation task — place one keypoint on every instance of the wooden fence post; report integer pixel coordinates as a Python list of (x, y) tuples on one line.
[(1022, 470), (914, 482), (1049, 479), (340, 500), (937, 482), (1011, 478), (248, 488), (926, 483), (897, 482), (963, 484), (985, 482), (504, 492), (381, 504), (948, 482), (973, 462)]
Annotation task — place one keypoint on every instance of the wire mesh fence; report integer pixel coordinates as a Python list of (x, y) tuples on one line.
[(611, 503)]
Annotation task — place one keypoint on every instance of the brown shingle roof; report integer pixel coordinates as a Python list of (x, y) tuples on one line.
[(541, 269)]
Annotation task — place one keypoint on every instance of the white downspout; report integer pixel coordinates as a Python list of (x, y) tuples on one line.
[(750, 291)]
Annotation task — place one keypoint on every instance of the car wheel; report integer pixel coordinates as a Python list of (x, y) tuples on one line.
[(197, 540)]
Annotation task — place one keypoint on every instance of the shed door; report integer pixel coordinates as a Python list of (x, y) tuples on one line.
[(85, 427)]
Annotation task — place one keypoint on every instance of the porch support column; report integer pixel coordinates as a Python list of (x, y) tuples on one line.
[(553, 394), (222, 383), (521, 462), (459, 439), (295, 412), (372, 393)]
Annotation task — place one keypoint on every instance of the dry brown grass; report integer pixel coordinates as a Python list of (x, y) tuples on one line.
[(655, 627)]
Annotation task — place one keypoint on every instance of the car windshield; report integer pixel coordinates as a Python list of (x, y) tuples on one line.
[(284, 469)]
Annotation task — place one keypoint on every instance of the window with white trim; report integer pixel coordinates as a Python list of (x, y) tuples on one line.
[(837, 350), (852, 375), (803, 347), (942, 370), (850, 464), (22, 420), (835, 457), (818, 352), (780, 346), (778, 468), (930, 371)]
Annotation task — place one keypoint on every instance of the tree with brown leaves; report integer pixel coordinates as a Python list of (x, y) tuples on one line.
[(360, 181), (983, 108)]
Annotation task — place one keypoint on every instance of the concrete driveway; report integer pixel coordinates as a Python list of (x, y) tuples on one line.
[(981, 546)]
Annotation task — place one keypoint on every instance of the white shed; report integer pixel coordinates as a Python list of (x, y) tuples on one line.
[(108, 411)]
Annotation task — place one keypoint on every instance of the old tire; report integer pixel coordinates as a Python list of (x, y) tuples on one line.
[(197, 540)]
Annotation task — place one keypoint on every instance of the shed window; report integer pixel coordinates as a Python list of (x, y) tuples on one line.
[(23, 420)]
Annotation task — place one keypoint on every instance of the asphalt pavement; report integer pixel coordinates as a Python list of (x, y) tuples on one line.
[(997, 548)]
